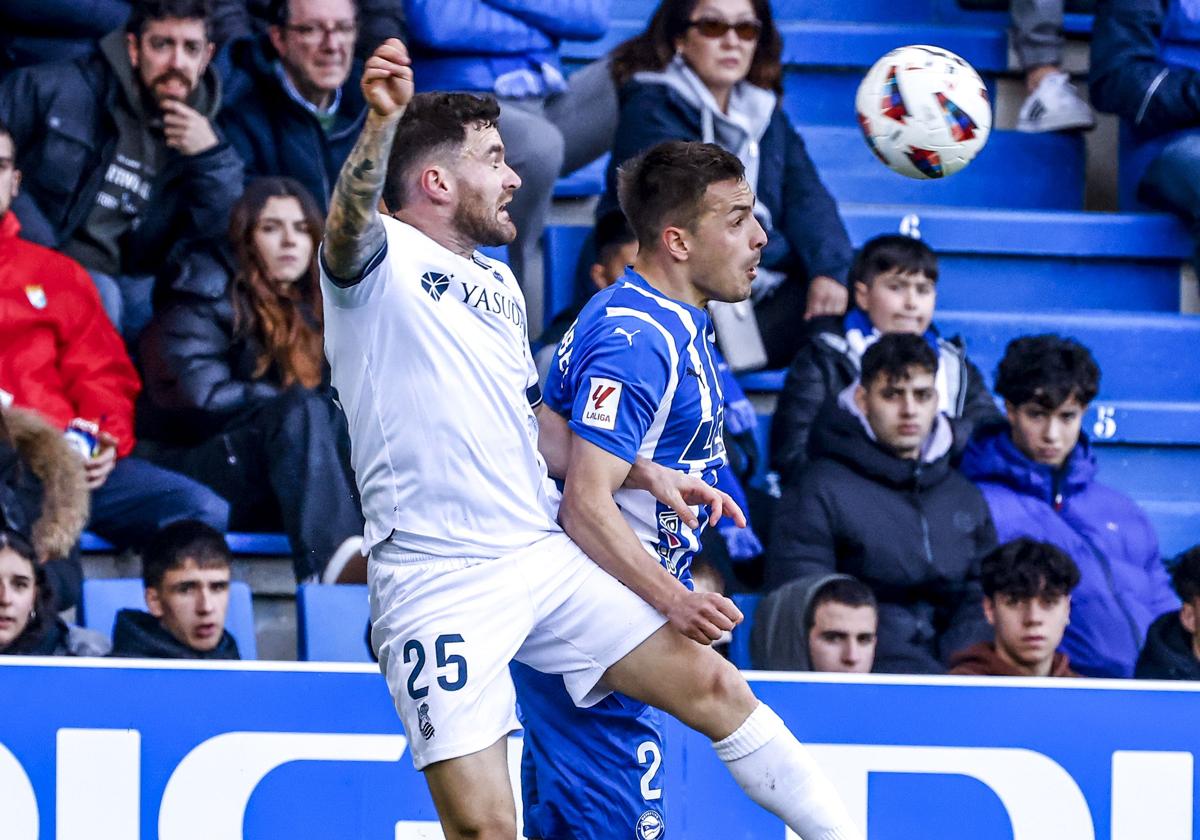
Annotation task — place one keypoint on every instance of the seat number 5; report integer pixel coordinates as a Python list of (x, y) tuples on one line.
[(414, 652)]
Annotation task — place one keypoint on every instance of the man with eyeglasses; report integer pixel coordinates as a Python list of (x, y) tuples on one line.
[(119, 153), (293, 105)]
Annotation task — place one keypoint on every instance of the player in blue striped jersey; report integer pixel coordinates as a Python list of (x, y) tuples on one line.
[(636, 375)]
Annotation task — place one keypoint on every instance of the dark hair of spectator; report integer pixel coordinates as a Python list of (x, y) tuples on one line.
[(1025, 568), (433, 122), (894, 355), (45, 615), (893, 252), (654, 47), (179, 542), (612, 232), (145, 11), (1186, 575), (280, 11), (666, 184), (847, 591), (1047, 370), (289, 335)]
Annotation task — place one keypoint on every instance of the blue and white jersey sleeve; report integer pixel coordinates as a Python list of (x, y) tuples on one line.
[(611, 387)]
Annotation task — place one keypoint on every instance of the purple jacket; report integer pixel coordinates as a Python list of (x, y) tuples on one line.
[(1123, 585)]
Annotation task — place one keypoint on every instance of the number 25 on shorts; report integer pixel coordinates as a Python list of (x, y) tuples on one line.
[(414, 652)]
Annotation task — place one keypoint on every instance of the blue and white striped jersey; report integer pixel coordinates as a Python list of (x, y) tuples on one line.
[(637, 375)]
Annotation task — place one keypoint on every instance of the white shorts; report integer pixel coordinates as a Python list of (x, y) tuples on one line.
[(446, 630)]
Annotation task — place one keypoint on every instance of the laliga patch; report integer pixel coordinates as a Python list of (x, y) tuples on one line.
[(604, 396)]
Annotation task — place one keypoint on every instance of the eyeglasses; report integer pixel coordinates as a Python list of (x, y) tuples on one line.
[(315, 33), (746, 30)]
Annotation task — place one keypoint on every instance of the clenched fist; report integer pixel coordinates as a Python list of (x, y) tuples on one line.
[(387, 80)]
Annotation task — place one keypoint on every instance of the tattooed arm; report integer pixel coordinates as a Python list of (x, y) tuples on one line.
[(354, 232)]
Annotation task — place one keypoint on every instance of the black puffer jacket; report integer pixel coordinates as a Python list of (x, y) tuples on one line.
[(1167, 654), (137, 634), (825, 365), (61, 119), (197, 373), (914, 532)]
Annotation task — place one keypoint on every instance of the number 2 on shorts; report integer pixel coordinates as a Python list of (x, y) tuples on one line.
[(415, 651)]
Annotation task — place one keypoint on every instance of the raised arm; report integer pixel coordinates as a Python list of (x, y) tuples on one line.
[(354, 233)]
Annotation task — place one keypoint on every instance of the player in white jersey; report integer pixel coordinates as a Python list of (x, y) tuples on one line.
[(468, 568)]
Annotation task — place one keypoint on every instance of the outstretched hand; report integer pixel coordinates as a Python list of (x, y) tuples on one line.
[(387, 80), (681, 491)]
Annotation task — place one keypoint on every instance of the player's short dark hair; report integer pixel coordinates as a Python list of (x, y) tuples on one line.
[(847, 591), (1186, 575), (179, 542), (894, 355), (666, 184), (893, 252), (145, 11), (1047, 370), (432, 122), (279, 12), (1026, 568), (612, 232)]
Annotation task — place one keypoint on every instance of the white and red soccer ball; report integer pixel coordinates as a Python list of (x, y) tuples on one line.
[(924, 111)]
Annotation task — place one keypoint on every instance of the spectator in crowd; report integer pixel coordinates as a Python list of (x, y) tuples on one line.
[(894, 280), (550, 126), (378, 20), (1172, 650), (1027, 600), (1051, 103), (237, 389), (1038, 474), (710, 70), (881, 502), (120, 156), (60, 357), (293, 105), (186, 570), (1145, 67), (820, 622), (43, 505), (32, 31)]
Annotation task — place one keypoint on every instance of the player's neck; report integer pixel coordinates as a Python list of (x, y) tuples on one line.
[(444, 235), (670, 283)]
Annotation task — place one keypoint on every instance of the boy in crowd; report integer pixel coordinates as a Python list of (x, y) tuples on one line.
[(1172, 650), (822, 622), (1027, 600), (894, 279), (880, 501), (186, 570), (1038, 474)]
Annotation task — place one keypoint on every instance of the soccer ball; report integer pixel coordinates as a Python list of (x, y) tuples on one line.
[(923, 111)]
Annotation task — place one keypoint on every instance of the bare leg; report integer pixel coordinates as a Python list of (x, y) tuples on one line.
[(473, 795)]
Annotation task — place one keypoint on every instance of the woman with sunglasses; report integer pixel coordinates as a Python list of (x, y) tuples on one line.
[(710, 70)]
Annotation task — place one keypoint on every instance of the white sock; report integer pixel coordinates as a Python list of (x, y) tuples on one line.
[(775, 770)]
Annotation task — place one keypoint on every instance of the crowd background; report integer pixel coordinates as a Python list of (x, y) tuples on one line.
[(165, 167)]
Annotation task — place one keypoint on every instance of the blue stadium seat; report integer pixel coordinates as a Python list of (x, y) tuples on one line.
[(561, 247), (244, 544), (588, 180), (496, 252), (739, 644), (853, 174), (332, 623), (104, 597)]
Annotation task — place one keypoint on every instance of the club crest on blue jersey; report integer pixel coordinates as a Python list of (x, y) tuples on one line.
[(650, 826), (424, 723), (435, 284)]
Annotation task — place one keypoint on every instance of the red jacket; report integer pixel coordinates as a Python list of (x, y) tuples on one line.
[(59, 354)]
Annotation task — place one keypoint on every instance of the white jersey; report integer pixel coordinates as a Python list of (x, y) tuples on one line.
[(431, 362)]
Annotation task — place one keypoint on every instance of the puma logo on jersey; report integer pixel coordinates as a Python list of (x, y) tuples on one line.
[(628, 335), (604, 398)]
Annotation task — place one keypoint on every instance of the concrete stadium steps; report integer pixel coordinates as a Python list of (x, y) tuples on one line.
[(1031, 261)]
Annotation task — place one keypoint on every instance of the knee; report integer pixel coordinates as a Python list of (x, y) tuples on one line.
[(201, 504), (495, 827), (723, 685)]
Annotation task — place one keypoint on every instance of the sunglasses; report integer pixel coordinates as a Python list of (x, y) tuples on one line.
[(746, 30)]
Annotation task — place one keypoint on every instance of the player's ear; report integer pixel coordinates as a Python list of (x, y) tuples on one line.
[(435, 183), (675, 241)]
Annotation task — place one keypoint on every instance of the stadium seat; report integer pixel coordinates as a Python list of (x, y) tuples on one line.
[(561, 247), (332, 623), (739, 644), (589, 180), (244, 544), (104, 597)]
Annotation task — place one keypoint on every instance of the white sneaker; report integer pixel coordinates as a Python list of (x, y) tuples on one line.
[(347, 565), (1055, 105)]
